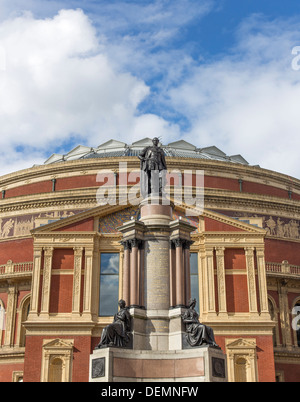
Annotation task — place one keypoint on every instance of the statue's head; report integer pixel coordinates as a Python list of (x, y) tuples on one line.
[(192, 302), (122, 303), (155, 141)]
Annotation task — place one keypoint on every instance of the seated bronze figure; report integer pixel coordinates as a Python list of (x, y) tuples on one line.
[(197, 334), (117, 333)]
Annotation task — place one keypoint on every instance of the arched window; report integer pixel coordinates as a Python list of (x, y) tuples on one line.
[(56, 370), (23, 314), (274, 317)]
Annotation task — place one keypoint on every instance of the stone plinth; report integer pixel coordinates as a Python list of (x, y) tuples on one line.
[(205, 364), (157, 329)]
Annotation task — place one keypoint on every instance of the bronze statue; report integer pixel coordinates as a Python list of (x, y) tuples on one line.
[(153, 167), (197, 334), (117, 333)]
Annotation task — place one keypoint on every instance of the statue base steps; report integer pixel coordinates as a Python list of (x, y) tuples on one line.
[(202, 364)]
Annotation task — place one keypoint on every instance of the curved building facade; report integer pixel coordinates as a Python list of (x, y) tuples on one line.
[(62, 258)]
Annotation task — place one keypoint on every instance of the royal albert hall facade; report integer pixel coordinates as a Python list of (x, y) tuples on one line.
[(61, 260)]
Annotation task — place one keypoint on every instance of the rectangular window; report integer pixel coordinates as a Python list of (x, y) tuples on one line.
[(109, 284), (194, 279)]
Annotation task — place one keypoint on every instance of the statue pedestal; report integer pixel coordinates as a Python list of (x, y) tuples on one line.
[(205, 364), (156, 288)]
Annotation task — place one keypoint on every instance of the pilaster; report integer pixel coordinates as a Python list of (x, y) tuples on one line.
[(209, 267), (88, 282), (78, 254), (262, 281), (36, 277), (47, 271), (10, 315), (221, 281), (249, 252)]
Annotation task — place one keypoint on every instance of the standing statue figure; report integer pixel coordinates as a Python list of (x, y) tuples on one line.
[(117, 333), (197, 334), (153, 169)]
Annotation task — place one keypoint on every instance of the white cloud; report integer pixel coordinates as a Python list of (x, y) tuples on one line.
[(66, 77), (58, 81), (248, 102)]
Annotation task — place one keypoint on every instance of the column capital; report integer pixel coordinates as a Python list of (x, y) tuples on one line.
[(220, 250), (187, 244), (178, 242), (260, 251), (48, 251), (78, 251), (136, 243), (37, 251), (126, 244)]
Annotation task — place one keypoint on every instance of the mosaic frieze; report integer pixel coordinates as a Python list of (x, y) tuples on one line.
[(110, 223), (275, 226), (22, 225)]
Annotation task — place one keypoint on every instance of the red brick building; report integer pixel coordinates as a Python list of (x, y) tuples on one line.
[(61, 260)]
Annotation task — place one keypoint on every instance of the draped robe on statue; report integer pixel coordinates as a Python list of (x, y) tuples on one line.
[(197, 334)]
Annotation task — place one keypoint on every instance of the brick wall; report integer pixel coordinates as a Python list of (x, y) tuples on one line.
[(80, 364), (16, 250), (265, 355)]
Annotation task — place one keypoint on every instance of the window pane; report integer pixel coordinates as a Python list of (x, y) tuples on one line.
[(110, 263), (194, 263), (194, 279), (109, 284)]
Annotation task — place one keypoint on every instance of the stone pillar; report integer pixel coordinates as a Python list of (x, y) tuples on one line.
[(249, 251), (47, 272), (262, 282), (134, 288), (10, 315), (141, 273), (221, 280), (88, 282), (180, 297), (78, 254), (126, 273), (203, 291), (210, 280), (36, 276), (172, 275), (187, 269), (157, 274)]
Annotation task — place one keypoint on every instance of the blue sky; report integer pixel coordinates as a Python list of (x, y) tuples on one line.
[(210, 72)]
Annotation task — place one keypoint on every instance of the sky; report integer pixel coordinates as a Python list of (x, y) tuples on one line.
[(223, 73)]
